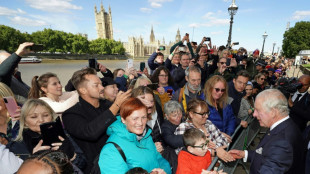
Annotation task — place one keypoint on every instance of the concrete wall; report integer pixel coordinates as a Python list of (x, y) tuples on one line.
[(79, 56)]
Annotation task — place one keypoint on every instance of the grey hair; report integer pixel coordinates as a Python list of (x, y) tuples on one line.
[(192, 69), (171, 107), (274, 99)]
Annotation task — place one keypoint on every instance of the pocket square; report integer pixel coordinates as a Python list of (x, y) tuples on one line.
[(259, 150)]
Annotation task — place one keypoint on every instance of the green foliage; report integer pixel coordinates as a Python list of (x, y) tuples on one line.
[(296, 38), (58, 41)]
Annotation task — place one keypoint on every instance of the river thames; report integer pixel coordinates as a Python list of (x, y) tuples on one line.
[(65, 68)]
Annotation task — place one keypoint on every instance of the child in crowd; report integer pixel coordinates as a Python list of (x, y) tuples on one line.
[(196, 155)]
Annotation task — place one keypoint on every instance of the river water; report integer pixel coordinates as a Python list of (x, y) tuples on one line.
[(65, 68)]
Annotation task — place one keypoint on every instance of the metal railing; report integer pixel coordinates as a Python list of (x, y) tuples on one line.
[(242, 142)]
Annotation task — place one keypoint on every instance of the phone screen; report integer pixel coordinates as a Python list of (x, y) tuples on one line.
[(228, 61), (92, 63), (36, 47), (129, 63), (50, 132), (10, 105)]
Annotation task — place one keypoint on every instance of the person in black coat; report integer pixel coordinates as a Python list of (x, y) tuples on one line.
[(281, 150), (300, 103), (178, 74), (88, 120), (236, 91)]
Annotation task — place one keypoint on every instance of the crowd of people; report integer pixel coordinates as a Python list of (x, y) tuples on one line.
[(174, 116)]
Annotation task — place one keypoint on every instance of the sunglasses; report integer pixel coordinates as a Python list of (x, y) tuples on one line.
[(222, 63), (203, 146), (262, 79), (203, 114), (218, 90)]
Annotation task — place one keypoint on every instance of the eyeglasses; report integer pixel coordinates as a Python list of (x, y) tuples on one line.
[(163, 75), (262, 79), (203, 146), (218, 90), (222, 63), (203, 114)]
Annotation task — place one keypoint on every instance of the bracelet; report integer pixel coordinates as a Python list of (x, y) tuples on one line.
[(116, 105), (125, 76), (172, 54)]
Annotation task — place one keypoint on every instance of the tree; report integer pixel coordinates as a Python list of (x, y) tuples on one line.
[(10, 38), (296, 38)]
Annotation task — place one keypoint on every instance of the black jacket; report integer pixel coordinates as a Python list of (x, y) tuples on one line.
[(7, 68), (300, 112), (87, 125), (235, 104), (172, 140)]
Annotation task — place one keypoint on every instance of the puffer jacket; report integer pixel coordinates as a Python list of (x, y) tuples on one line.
[(225, 124), (141, 153)]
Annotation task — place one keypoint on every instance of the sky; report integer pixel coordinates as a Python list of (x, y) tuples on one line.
[(199, 18)]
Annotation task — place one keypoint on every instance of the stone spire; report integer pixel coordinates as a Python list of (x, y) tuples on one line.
[(152, 36), (178, 36), (110, 9), (95, 9), (101, 7), (163, 41)]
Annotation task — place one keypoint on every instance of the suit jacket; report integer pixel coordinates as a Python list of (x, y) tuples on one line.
[(280, 151), (300, 112)]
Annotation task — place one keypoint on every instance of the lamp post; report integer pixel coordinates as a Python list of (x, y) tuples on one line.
[(264, 36), (232, 10), (274, 44)]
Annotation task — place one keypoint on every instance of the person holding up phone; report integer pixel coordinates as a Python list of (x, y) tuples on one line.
[(47, 87), (188, 45), (9, 74), (9, 115), (156, 60), (34, 113)]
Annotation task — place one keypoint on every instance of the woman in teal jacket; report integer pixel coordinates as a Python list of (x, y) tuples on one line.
[(130, 132)]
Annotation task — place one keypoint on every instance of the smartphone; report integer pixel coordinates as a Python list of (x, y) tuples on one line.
[(228, 61), (50, 132), (236, 43), (36, 47), (153, 86), (92, 63), (129, 63), (208, 39), (169, 91), (182, 48), (162, 48), (142, 66), (10, 105)]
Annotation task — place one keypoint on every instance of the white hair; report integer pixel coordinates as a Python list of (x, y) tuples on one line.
[(274, 99)]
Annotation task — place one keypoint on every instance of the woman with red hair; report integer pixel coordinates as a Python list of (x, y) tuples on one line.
[(132, 135)]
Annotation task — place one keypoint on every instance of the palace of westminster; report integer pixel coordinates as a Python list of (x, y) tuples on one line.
[(135, 47)]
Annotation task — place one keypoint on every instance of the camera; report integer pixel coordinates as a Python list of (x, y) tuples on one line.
[(207, 38), (162, 48), (236, 43), (182, 48), (36, 47), (288, 86)]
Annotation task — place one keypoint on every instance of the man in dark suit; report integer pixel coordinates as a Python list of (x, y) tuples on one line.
[(281, 149), (88, 120), (299, 103)]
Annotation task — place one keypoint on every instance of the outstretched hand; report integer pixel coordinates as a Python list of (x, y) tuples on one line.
[(22, 49)]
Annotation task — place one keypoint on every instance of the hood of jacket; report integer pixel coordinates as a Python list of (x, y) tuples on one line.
[(119, 129)]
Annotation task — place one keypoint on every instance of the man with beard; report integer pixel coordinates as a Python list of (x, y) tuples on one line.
[(88, 120), (191, 89)]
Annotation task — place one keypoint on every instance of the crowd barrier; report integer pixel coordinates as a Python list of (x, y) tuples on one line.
[(242, 142)]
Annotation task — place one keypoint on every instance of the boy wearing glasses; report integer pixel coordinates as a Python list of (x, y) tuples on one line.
[(195, 156)]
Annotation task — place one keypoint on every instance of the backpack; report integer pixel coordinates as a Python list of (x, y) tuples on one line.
[(96, 169)]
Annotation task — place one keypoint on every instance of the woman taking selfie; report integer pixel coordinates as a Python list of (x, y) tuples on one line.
[(47, 87)]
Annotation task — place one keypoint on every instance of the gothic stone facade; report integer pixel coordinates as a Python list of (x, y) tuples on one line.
[(104, 23)]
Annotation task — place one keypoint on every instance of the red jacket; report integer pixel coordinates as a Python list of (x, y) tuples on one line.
[(189, 163)]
